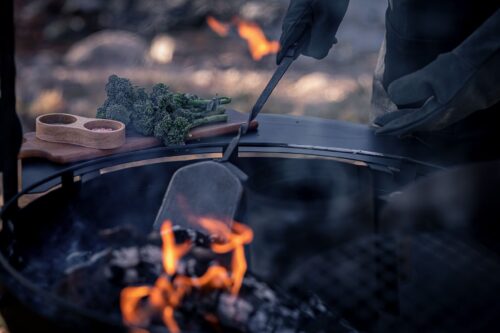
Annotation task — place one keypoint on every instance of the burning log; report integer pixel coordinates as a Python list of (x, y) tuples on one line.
[(184, 283)]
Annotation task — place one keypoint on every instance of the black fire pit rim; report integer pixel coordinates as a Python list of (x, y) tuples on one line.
[(380, 161), (372, 159)]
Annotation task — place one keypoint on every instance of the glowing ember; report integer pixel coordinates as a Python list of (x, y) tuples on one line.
[(257, 41), (140, 304)]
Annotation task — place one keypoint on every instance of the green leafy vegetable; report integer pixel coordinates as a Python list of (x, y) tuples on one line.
[(165, 114), (120, 101)]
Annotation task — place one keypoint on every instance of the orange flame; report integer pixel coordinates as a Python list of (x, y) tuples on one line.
[(221, 29), (169, 320), (257, 41), (235, 240), (130, 299), (171, 252), (169, 290)]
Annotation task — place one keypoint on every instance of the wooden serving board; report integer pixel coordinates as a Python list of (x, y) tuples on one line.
[(63, 153), (66, 153)]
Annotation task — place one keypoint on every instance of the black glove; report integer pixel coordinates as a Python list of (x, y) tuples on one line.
[(450, 88), (315, 22)]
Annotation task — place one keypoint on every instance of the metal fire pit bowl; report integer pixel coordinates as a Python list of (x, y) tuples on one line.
[(292, 196)]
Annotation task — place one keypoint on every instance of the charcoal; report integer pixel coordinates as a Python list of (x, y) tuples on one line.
[(258, 308)]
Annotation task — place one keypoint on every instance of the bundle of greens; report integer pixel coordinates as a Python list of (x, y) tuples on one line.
[(163, 113)]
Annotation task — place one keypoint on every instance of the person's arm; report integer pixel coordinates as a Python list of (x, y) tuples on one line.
[(450, 88), (314, 21)]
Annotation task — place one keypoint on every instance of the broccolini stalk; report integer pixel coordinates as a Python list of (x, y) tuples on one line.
[(174, 130), (206, 102), (162, 113), (194, 103), (216, 118), (220, 110)]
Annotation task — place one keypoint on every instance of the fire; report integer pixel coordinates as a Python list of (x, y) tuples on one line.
[(139, 304), (234, 241), (221, 29), (259, 45), (171, 252), (130, 299), (257, 41)]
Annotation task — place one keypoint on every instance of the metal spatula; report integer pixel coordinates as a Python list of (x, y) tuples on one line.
[(214, 188)]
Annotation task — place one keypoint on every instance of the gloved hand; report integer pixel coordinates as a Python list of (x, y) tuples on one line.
[(450, 88), (313, 21)]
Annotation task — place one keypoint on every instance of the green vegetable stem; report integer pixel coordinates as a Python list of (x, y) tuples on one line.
[(163, 113)]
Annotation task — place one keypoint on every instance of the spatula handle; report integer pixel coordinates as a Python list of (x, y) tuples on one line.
[(273, 82), (292, 54)]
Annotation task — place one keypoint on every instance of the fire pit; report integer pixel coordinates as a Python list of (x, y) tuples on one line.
[(303, 202), (295, 193)]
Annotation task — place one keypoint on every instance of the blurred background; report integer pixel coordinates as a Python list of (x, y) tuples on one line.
[(66, 49)]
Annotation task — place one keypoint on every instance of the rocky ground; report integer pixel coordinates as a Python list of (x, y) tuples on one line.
[(63, 63)]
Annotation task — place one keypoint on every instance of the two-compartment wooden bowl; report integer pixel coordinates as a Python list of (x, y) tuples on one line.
[(81, 131)]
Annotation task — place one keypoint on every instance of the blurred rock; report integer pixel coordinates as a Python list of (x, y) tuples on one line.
[(108, 49), (48, 101), (162, 49)]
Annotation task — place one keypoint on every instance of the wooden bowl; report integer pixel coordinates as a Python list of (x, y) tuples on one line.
[(81, 131)]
